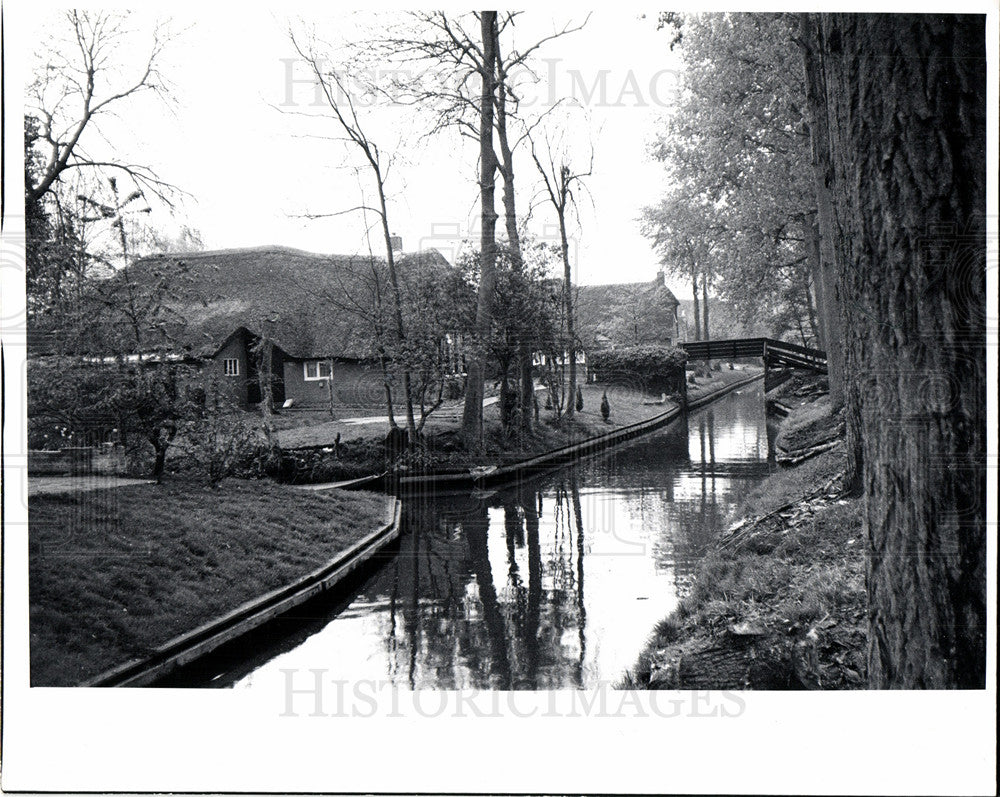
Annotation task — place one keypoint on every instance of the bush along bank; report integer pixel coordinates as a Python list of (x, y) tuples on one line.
[(780, 602)]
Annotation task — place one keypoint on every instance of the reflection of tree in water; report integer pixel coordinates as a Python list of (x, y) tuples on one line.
[(454, 620), (434, 635), (518, 620)]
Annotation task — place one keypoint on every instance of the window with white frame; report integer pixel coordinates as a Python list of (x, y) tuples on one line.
[(317, 369), (231, 366)]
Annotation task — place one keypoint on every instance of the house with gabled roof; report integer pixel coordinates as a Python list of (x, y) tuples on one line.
[(307, 307), (627, 314)]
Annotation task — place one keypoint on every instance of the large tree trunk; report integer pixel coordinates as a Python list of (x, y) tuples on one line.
[(823, 176), (810, 228), (472, 416), (907, 102)]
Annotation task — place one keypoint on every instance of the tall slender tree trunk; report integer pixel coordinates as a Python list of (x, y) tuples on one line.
[(907, 106), (265, 383), (697, 312), (704, 301), (568, 300), (387, 386), (397, 308), (472, 416), (526, 394)]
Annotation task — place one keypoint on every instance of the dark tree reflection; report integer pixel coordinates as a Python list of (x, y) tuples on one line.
[(488, 589)]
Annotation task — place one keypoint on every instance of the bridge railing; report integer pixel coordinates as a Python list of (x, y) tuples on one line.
[(794, 347), (725, 349), (777, 351)]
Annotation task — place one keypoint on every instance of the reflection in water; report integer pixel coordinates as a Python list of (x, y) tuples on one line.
[(553, 583)]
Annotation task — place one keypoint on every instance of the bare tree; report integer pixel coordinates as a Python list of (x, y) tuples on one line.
[(507, 101), (560, 181), (444, 41), (344, 109), (472, 416), (77, 86)]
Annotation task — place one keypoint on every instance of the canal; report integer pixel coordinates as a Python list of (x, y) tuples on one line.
[(552, 583)]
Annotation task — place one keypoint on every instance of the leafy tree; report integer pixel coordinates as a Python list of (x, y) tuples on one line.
[(220, 441), (526, 312), (742, 211), (439, 312), (137, 402)]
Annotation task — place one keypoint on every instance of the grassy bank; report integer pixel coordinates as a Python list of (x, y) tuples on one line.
[(361, 452), (114, 573), (779, 603)]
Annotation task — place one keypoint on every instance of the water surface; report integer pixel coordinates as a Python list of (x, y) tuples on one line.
[(553, 583)]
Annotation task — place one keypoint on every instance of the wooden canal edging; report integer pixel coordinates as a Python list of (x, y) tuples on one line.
[(495, 476), (376, 482), (205, 638)]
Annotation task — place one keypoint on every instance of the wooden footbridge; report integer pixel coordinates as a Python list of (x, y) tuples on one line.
[(779, 356), (775, 353)]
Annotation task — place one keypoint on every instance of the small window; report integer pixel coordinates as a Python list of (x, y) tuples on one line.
[(318, 369), (231, 366)]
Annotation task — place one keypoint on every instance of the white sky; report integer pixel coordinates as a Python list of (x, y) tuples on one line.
[(249, 170)]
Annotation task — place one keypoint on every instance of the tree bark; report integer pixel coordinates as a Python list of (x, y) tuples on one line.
[(907, 103), (472, 416), (811, 234), (823, 176), (526, 394)]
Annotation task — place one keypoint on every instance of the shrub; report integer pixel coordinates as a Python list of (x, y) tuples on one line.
[(219, 445), (655, 368)]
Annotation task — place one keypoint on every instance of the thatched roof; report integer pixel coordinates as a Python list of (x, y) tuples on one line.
[(306, 302), (625, 314)]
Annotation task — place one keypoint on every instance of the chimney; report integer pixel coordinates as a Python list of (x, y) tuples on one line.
[(396, 241), (661, 277)]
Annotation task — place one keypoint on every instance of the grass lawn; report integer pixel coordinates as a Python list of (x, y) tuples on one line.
[(780, 602), (114, 573)]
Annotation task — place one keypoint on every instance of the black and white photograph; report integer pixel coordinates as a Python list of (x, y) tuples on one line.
[(615, 387)]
